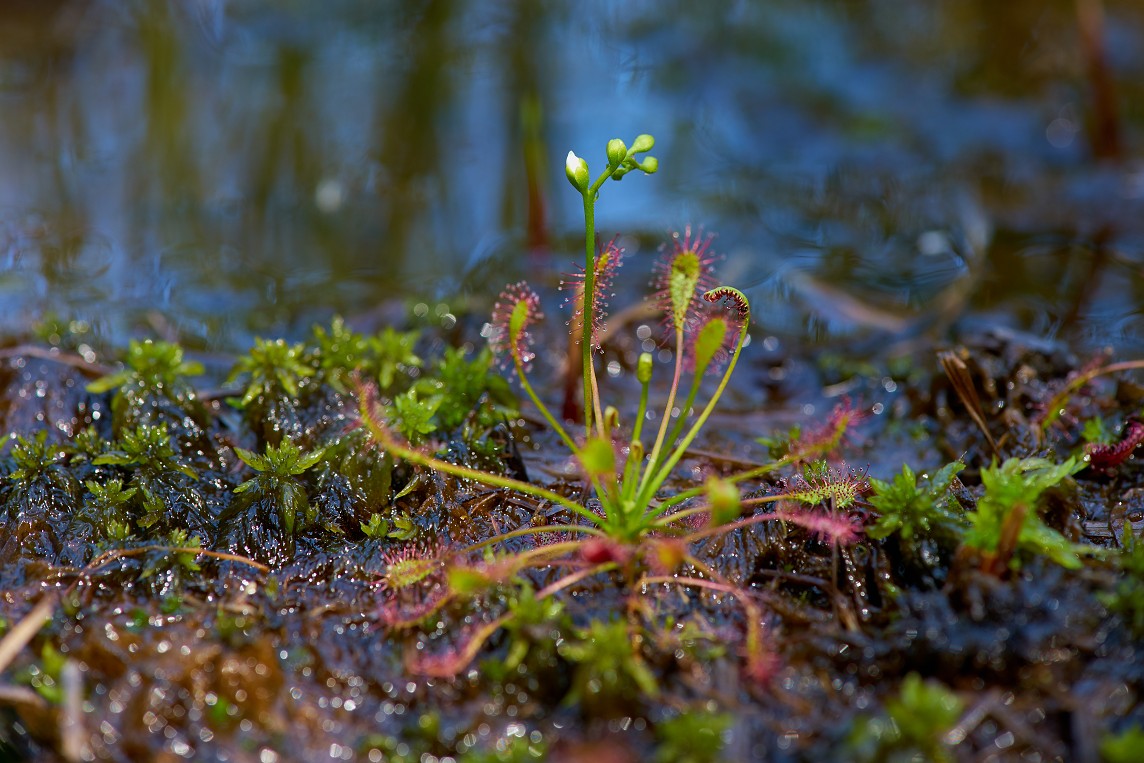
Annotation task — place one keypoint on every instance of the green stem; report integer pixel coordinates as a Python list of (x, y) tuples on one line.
[(526, 557), (671, 518), (631, 465), (758, 471), (587, 303), (573, 579), (653, 459), (1053, 409), (414, 456), (524, 531), (646, 492), (596, 400), (736, 525), (681, 421), (552, 422)]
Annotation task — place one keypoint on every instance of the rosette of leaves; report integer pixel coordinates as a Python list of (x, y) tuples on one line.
[(1007, 529), (167, 491), (458, 392), (271, 508), (82, 450), (41, 493), (339, 354), (153, 389), (276, 375), (106, 509), (920, 515)]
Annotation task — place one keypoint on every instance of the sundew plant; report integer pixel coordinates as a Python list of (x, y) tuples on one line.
[(635, 527)]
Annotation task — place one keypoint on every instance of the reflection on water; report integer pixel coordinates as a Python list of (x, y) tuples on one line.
[(215, 169)]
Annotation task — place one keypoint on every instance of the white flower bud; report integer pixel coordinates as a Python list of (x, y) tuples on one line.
[(577, 171)]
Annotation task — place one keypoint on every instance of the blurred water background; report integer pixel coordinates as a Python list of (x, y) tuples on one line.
[(212, 170)]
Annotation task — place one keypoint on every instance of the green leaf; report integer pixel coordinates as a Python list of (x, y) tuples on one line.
[(598, 457), (709, 341), (109, 382), (376, 527), (308, 461), (1124, 747), (724, 500), (414, 417), (682, 283), (403, 528), (252, 459), (1023, 482)]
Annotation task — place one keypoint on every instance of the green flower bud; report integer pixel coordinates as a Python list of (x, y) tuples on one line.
[(643, 367), (577, 171), (643, 143), (723, 498), (649, 165), (617, 152), (637, 451), (611, 419)]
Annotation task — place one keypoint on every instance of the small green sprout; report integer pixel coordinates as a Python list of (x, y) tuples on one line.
[(404, 528), (394, 358), (694, 736), (147, 449), (915, 727), (609, 673), (377, 527), (414, 417), (153, 386), (340, 353), (37, 458), (152, 365), (917, 506), (108, 501), (274, 368), (462, 383), (1006, 523), (278, 471), (157, 471)]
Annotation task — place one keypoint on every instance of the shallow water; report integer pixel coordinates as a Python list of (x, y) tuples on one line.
[(210, 171)]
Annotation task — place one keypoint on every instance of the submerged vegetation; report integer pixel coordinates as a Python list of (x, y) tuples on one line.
[(366, 542)]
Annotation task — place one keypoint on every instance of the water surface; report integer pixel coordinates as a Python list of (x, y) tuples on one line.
[(213, 170)]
